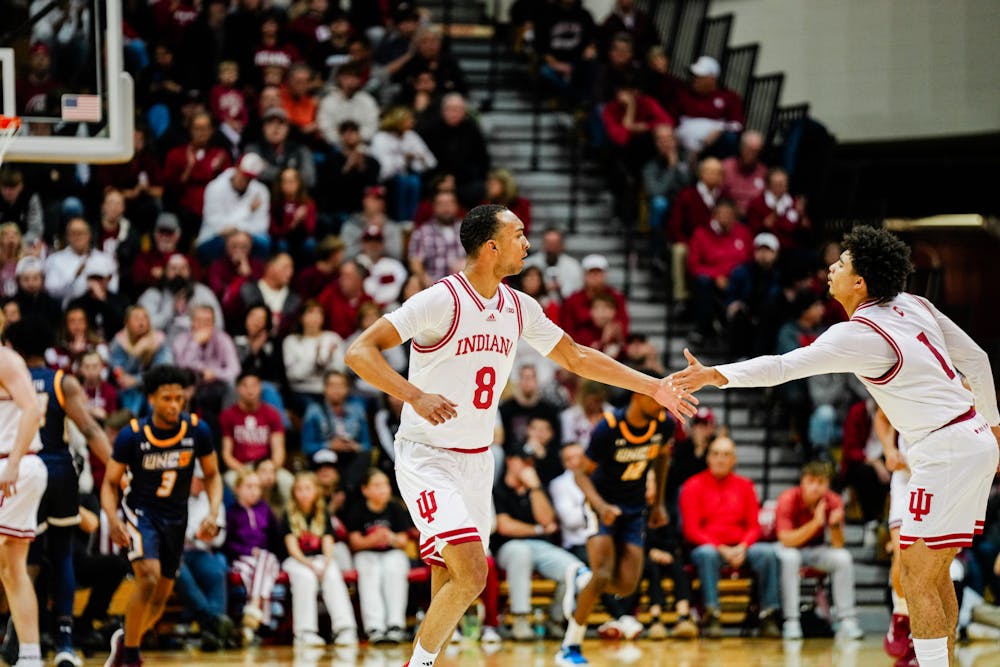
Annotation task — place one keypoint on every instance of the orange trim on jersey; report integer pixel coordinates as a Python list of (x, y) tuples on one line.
[(454, 323), (194, 419), (169, 442), (134, 423), (610, 418), (638, 439), (57, 383)]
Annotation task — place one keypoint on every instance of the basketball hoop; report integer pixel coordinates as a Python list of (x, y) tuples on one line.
[(9, 126)]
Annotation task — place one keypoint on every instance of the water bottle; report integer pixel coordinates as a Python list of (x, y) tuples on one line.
[(538, 618), (471, 626)]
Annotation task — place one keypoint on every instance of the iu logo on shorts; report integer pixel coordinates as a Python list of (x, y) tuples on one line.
[(920, 503), (427, 505)]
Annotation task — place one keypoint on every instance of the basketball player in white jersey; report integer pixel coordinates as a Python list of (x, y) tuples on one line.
[(908, 355), (465, 330), (22, 483)]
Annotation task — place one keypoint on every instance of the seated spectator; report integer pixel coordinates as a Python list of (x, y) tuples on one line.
[(331, 51), (566, 42), (21, 205), (386, 423), (395, 50), (368, 314), (10, 255), (311, 568), (236, 201), (313, 279), (525, 521), (260, 353), (403, 157), (578, 421), (640, 352), (102, 397), (378, 533), (570, 504), (532, 283), (576, 308), (716, 250), (617, 65), (775, 210), (501, 189), (386, 275), (65, 277), (273, 290), (708, 113), (626, 18), (309, 355), (541, 441), (752, 300), (342, 299), (252, 540), (372, 214), (862, 466), (134, 350), (525, 403), (430, 56), (562, 272), (74, 339), (210, 354), (280, 152), (293, 217), (188, 169), (804, 513), (226, 99), (659, 83), (423, 98), (663, 178), (460, 148), (31, 297), (629, 119), (140, 180), (691, 210), (201, 580), (117, 237), (689, 456), (604, 333), (251, 432), (300, 102), (149, 265), (235, 264), (719, 516), (435, 249), (743, 174), (105, 309), (347, 101), (344, 176), (339, 424), (170, 302), (425, 209), (269, 489)]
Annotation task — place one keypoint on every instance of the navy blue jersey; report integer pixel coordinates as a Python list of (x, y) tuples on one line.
[(161, 464), (53, 431), (622, 457)]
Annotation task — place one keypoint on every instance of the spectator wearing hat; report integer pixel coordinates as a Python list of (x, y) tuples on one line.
[(776, 211), (575, 310), (343, 298), (386, 275), (709, 113), (105, 308), (403, 158), (279, 152), (347, 101), (293, 216), (691, 210), (435, 249), (188, 169), (148, 268), (236, 201), (338, 423), (31, 297), (344, 176), (715, 251), (21, 205), (373, 214), (252, 431), (752, 300), (313, 279), (457, 142), (65, 270), (273, 290), (169, 303), (743, 175), (134, 350)]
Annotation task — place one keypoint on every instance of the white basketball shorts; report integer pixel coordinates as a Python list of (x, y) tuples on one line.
[(951, 471), (448, 493), (19, 512)]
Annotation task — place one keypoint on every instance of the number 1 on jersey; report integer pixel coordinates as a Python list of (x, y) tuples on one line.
[(486, 379), (922, 337)]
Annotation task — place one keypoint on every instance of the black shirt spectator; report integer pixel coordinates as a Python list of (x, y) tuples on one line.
[(361, 519), (342, 179), (458, 144)]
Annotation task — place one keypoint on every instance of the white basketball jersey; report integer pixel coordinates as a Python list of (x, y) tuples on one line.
[(463, 348), (10, 417), (922, 391)]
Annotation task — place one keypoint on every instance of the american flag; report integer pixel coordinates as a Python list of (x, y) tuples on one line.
[(81, 107)]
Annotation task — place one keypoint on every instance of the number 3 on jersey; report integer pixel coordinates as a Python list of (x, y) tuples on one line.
[(486, 379), (167, 481)]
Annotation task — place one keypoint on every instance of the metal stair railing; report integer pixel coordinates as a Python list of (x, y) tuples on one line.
[(715, 36), (762, 101), (687, 36)]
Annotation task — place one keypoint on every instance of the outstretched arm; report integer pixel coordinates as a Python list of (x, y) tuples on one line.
[(76, 409)]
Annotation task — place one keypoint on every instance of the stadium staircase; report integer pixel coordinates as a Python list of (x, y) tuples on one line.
[(541, 147)]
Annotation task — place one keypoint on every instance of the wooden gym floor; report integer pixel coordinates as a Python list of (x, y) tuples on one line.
[(729, 652)]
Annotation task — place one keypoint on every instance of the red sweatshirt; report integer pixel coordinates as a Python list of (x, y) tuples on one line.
[(719, 511), (687, 213), (646, 111), (715, 254)]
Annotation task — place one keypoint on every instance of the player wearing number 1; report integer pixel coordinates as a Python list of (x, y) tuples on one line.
[(465, 330), (159, 453), (906, 353)]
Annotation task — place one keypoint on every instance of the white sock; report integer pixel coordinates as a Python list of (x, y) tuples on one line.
[(931, 652), (574, 633), (899, 605), (29, 652), (422, 657)]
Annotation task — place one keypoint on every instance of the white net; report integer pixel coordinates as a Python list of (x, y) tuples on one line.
[(9, 126)]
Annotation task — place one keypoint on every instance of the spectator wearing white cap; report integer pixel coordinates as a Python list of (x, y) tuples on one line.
[(386, 275), (575, 312), (752, 302), (31, 297), (64, 270), (709, 112), (105, 308), (236, 200)]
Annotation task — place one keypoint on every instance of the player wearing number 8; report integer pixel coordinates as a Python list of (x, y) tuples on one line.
[(159, 453), (906, 353), (464, 330)]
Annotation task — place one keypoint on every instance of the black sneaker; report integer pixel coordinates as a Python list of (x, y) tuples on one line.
[(117, 656), (769, 625), (210, 643), (712, 626), (10, 648)]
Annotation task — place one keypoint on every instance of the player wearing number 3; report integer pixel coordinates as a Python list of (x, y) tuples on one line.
[(159, 453), (465, 330), (907, 354)]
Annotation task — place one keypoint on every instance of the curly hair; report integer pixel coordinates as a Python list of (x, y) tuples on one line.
[(881, 259)]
